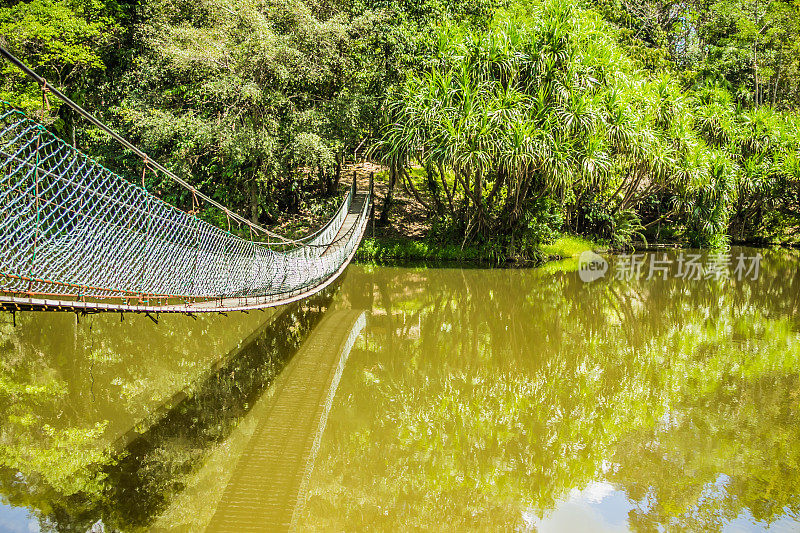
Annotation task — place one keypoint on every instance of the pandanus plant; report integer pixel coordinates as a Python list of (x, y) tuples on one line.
[(504, 118), (543, 109)]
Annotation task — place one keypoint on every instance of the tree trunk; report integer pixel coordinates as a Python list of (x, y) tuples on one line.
[(498, 182), (755, 71), (327, 184), (333, 184), (478, 191), (777, 77), (433, 186), (755, 55), (254, 204), (72, 126), (446, 188), (405, 177), (387, 201)]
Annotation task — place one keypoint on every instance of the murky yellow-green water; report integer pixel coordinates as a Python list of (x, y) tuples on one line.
[(420, 399)]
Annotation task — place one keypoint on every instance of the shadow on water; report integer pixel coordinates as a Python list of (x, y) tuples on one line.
[(143, 481), (142, 477)]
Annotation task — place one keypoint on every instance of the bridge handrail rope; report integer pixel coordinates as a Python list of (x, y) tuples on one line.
[(48, 88), (332, 222), (75, 234)]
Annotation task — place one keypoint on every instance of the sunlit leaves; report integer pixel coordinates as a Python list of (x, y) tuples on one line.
[(511, 112)]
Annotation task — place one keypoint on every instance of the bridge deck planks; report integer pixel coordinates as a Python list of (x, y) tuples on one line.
[(353, 216)]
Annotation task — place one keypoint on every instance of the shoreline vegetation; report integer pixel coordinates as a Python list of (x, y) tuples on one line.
[(381, 250), (498, 131)]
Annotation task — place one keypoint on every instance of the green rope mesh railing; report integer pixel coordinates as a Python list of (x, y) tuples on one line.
[(71, 228)]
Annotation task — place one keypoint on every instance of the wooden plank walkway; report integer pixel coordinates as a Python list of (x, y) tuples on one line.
[(352, 218), (269, 482)]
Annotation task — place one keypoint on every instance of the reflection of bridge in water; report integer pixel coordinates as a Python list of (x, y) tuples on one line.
[(279, 385), (268, 484)]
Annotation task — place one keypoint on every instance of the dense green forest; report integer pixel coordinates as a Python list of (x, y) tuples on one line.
[(509, 121)]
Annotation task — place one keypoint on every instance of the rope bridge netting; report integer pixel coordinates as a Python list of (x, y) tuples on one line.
[(74, 231)]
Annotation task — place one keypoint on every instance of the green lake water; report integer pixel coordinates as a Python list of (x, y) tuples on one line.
[(410, 398)]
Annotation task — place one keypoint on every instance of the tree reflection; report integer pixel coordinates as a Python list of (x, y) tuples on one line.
[(475, 400), (479, 396), (65, 468), (714, 456)]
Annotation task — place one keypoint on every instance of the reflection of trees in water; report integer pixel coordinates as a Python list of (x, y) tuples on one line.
[(484, 394), (478, 395), (130, 488), (40, 456), (744, 430), (70, 388)]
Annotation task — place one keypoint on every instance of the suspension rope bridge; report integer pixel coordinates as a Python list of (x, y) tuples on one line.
[(75, 235)]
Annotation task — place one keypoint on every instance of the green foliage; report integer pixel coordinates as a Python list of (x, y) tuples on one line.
[(512, 121), (543, 220), (511, 114), (383, 250), (750, 46), (63, 40), (708, 218), (567, 246), (274, 95), (627, 228), (577, 131)]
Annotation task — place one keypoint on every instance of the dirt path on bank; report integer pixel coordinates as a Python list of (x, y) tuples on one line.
[(407, 218)]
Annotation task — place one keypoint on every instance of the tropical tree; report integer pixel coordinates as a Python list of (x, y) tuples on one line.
[(507, 117)]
